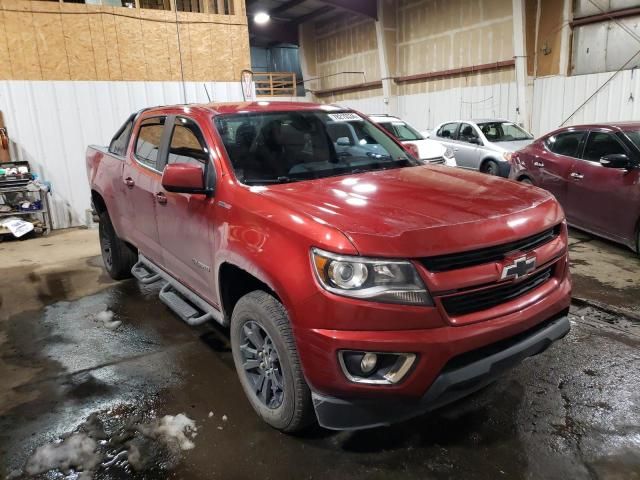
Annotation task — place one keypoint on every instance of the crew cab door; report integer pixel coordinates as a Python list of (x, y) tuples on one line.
[(552, 163), (186, 221), (142, 176), (600, 198)]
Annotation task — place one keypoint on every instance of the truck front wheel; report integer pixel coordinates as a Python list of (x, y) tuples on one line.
[(266, 359), (118, 257)]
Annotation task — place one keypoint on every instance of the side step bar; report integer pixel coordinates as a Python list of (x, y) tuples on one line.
[(188, 305)]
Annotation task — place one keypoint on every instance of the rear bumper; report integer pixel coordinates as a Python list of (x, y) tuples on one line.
[(461, 376)]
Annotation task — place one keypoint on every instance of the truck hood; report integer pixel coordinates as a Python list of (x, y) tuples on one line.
[(421, 211)]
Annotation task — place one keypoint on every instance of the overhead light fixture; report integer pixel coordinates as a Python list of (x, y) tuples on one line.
[(261, 18)]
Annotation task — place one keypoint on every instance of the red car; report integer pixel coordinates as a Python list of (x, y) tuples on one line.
[(594, 172), (360, 288)]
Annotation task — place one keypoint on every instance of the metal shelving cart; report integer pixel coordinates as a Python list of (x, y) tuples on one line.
[(14, 185)]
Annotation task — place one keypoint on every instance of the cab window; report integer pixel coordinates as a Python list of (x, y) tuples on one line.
[(447, 130), (565, 143), (187, 143), (600, 144), (148, 141), (467, 133)]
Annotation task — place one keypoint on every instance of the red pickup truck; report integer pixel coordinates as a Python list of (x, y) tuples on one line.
[(360, 286)]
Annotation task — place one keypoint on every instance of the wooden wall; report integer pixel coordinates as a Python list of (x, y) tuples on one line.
[(53, 41)]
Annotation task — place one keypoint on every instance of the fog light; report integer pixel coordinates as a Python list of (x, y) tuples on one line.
[(381, 368), (368, 362)]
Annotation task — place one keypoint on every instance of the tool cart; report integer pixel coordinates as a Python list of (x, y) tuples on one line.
[(23, 200)]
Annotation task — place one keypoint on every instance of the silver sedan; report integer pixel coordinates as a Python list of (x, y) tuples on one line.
[(484, 145)]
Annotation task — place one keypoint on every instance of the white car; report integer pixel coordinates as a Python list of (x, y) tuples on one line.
[(428, 150)]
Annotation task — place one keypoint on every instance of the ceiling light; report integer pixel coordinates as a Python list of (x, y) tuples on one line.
[(261, 18)]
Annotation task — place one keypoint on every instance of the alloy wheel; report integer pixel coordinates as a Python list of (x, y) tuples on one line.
[(261, 364)]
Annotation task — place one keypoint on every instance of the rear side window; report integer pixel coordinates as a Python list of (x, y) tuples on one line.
[(120, 141), (447, 130), (600, 144), (565, 143), (187, 143), (148, 141)]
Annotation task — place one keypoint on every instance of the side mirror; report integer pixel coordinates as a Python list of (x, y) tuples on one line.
[(343, 142), (615, 160), (475, 141), (184, 178)]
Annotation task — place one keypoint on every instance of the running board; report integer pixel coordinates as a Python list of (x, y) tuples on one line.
[(188, 305)]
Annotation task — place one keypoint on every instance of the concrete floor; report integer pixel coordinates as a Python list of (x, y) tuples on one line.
[(573, 412)]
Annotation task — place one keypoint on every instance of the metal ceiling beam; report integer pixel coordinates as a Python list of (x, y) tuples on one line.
[(283, 7), (367, 8), (314, 14)]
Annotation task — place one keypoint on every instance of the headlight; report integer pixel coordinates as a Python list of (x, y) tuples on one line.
[(389, 281), (507, 156), (448, 153)]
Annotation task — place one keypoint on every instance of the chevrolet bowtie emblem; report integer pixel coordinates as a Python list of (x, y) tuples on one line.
[(519, 268)]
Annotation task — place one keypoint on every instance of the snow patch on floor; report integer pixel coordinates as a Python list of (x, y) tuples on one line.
[(176, 428), (77, 452), (106, 317)]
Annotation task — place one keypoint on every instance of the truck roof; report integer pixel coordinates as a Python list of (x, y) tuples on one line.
[(252, 106)]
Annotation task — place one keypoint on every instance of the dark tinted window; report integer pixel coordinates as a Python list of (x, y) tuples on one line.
[(120, 141), (280, 147), (466, 133), (447, 130), (187, 143), (600, 144), (148, 141), (565, 143)]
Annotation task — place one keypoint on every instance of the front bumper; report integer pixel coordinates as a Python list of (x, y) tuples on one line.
[(460, 377)]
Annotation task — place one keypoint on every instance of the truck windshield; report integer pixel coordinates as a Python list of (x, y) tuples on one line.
[(503, 132), (401, 131), (280, 147)]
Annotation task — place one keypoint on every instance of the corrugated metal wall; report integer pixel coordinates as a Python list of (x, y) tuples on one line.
[(556, 98), (51, 123), (426, 110)]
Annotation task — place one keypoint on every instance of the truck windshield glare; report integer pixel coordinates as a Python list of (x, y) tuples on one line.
[(281, 147)]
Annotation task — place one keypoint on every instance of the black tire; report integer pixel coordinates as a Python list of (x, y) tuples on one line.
[(490, 167), (118, 257), (288, 408), (526, 181)]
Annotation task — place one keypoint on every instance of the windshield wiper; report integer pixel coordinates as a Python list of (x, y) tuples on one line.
[(270, 181)]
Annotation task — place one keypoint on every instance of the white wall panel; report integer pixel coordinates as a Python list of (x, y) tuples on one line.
[(556, 98), (426, 110), (51, 123)]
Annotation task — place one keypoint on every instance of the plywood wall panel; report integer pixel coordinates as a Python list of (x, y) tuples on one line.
[(50, 41), (80, 58), (111, 39), (53, 41), (98, 43)]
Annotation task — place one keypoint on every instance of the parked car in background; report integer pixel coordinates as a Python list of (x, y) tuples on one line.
[(424, 148), (484, 145), (359, 289), (594, 172), (350, 138)]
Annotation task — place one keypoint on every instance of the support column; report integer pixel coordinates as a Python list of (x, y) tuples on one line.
[(386, 26), (307, 56), (565, 39), (519, 52)]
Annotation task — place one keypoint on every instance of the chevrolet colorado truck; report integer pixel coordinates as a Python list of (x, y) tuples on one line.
[(360, 289)]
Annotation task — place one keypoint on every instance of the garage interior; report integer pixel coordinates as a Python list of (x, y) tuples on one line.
[(102, 363)]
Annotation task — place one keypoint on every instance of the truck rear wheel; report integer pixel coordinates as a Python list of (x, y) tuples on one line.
[(266, 359), (118, 257)]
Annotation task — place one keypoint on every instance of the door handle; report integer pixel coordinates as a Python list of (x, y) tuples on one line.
[(161, 198), (577, 176), (129, 182), (538, 164)]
